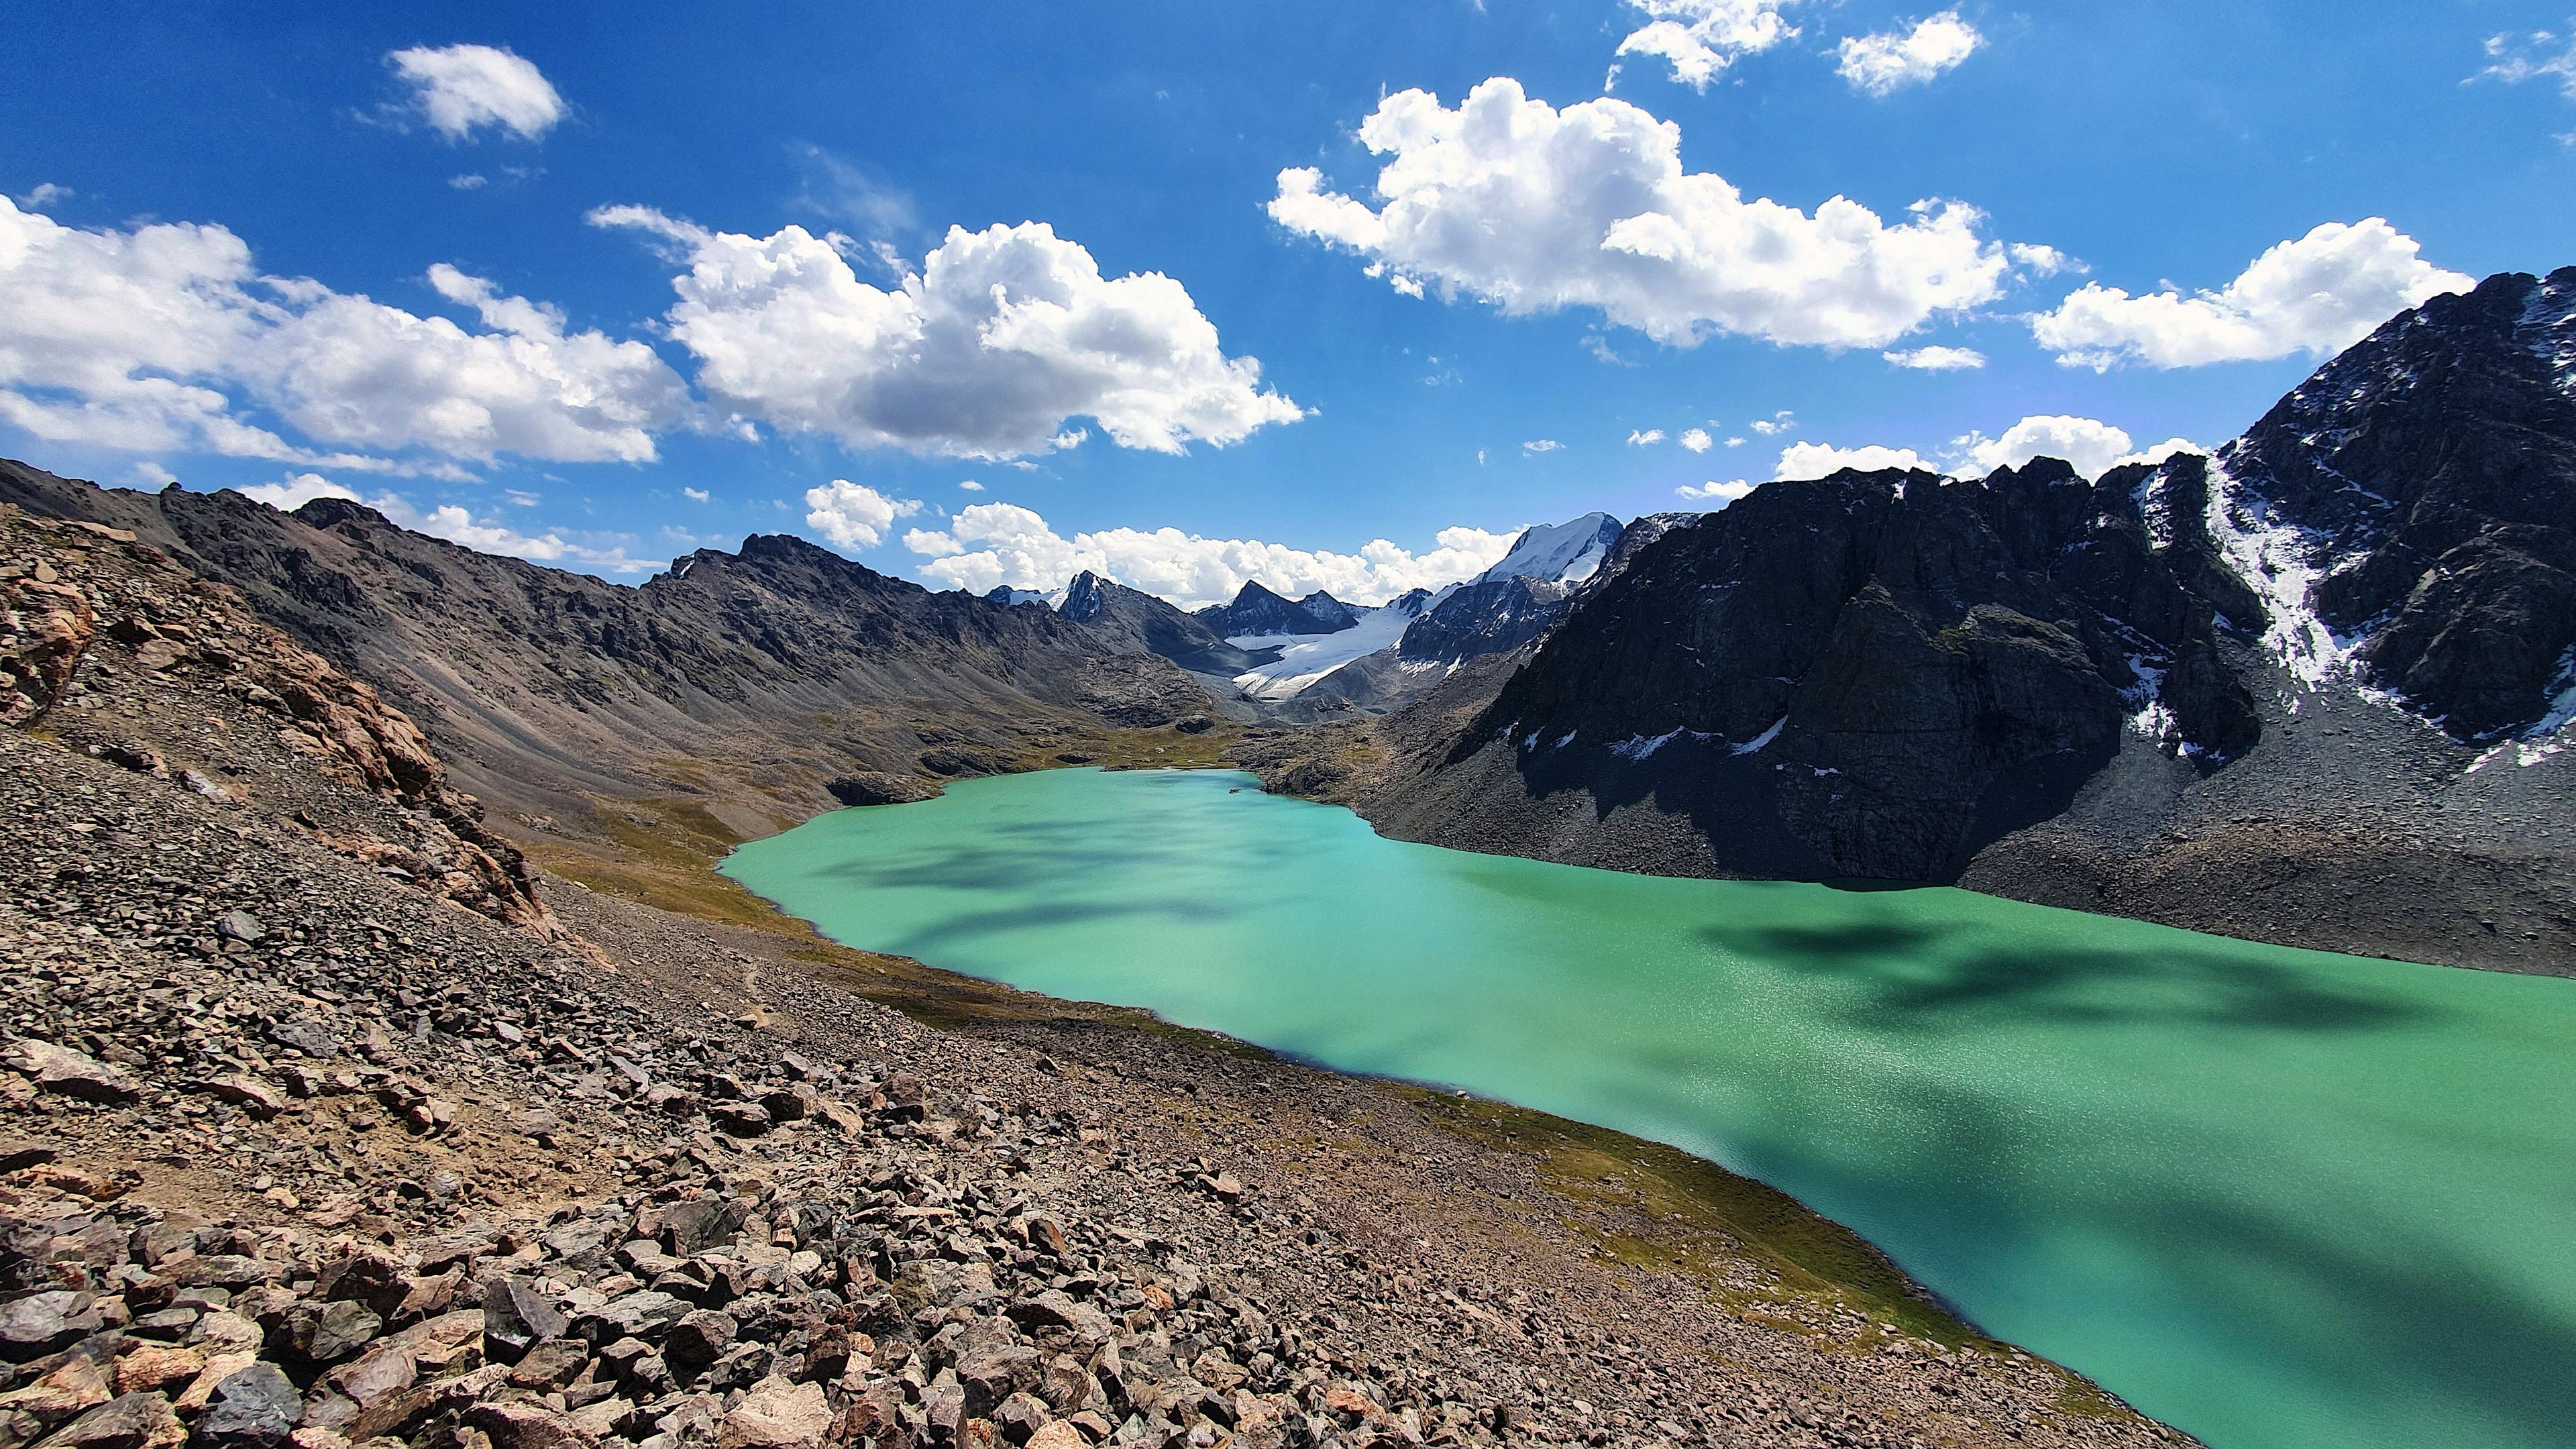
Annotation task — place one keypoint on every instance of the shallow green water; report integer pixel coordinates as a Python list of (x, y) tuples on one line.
[(2277, 1198)]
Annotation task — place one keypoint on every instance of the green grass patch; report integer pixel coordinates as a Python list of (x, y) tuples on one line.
[(1689, 1200)]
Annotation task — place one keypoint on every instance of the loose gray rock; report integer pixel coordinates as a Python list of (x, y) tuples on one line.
[(253, 1409), (43, 1322), (74, 1074), (516, 1318), (130, 1421)]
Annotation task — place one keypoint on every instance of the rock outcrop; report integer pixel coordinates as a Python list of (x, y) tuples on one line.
[(78, 595)]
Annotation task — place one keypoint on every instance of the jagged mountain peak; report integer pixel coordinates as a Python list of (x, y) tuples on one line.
[(1259, 612), (1526, 592), (1085, 594)]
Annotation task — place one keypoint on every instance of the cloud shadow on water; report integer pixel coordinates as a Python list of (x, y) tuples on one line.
[(959, 928), (1918, 975)]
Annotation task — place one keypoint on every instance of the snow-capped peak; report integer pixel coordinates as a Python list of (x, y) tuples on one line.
[(1558, 553)]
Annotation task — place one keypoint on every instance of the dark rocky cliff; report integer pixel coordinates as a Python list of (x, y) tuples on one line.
[(1925, 664), (2432, 468)]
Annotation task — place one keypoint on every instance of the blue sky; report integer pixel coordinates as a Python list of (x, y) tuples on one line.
[(2117, 146)]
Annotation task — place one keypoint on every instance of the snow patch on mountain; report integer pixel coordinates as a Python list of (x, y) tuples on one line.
[(2282, 563), (1639, 747), (1754, 746), (1306, 658), (2150, 717)]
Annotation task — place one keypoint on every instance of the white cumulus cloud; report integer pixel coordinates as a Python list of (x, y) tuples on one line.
[(695, 495), (1699, 38), (985, 352), (1640, 439), (1938, 359), (991, 544), (294, 491), (1779, 422), (458, 88), (2154, 453), (352, 371), (458, 526), (2091, 445), (1536, 446), (1720, 494), (1821, 460), (2041, 260), (853, 515), (1533, 209), (165, 336), (1695, 439), (1878, 64), (2317, 294)]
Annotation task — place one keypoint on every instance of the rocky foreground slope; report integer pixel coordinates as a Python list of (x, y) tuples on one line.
[(2313, 690), (325, 1121)]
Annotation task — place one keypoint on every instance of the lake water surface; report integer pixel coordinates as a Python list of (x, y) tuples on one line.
[(2280, 1199)]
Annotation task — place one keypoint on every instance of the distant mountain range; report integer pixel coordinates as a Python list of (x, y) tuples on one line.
[(747, 682), (1292, 646), (2310, 689)]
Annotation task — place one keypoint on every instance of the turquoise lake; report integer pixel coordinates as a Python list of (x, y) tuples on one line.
[(2280, 1199)]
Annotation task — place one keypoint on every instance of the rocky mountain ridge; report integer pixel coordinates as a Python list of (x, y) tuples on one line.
[(1256, 611), (1530, 590), (749, 680), (1132, 621), (2426, 482)]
